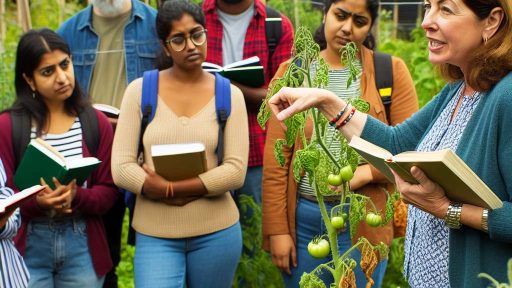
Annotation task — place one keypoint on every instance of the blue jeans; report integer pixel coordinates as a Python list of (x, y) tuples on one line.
[(57, 254), (203, 261), (252, 184), (310, 224)]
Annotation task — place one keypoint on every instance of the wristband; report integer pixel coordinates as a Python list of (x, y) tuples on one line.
[(347, 119), (333, 121), (485, 220), (452, 218)]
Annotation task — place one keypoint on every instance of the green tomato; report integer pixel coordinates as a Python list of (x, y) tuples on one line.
[(338, 222), (334, 179), (344, 215), (346, 173), (319, 248), (374, 220)]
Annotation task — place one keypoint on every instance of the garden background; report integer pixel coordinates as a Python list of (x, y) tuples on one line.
[(257, 270)]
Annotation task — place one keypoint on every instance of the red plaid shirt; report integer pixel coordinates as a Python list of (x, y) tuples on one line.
[(255, 45)]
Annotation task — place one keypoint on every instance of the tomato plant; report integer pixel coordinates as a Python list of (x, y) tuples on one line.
[(319, 248), (373, 219), (324, 164)]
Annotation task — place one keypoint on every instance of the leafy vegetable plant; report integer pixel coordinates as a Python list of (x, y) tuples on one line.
[(327, 170)]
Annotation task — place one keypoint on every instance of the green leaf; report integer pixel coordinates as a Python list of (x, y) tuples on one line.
[(278, 151), (357, 212), (293, 125), (311, 280), (360, 104)]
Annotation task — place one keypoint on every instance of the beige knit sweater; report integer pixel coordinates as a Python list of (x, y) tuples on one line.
[(211, 213)]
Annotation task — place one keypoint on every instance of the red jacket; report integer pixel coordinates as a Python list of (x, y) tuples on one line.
[(92, 202)]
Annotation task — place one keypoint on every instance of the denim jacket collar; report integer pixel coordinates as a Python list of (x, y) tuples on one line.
[(136, 12)]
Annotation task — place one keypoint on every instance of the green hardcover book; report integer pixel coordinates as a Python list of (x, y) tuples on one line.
[(247, 72), (41, 160)]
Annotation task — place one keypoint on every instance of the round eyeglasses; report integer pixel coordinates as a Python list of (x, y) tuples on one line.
[(178, 43)]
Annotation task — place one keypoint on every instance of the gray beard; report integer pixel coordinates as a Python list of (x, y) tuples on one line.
[(109, 7)]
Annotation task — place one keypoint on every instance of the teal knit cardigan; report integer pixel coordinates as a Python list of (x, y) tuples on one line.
[(486, 147)]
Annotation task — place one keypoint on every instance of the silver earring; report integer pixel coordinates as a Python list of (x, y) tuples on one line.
[(33, 95), (485, 39)]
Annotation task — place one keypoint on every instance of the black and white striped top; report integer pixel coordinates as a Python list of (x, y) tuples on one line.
[(69, 143), (338, 85), (13, 272)]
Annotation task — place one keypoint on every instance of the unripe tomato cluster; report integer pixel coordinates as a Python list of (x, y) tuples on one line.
[(345, 175)]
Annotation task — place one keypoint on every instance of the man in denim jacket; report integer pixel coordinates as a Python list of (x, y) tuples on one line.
[(112, 42)]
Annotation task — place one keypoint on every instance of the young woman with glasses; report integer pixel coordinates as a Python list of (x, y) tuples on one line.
[(190, 236)]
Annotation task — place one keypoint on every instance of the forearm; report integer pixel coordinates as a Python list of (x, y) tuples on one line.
[(331, 105), (472, 216)]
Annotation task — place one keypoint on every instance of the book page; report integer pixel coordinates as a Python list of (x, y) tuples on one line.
[(4, 203), (174, 149), (251, 61), (244, 68), (81, 162), (106, 109), (48, 150), (211, 67)]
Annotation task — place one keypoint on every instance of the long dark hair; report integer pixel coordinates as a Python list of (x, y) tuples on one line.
[(369, 42), (31, 48), (173, 10)]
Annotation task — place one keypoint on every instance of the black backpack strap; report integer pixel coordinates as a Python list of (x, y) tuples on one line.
[(90, 129), (273, 30), (20, 130), (384, 79)]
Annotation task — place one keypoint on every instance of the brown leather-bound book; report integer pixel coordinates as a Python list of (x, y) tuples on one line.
[(444, 167), (177, 162)]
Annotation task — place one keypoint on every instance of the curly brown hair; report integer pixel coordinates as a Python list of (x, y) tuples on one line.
[(492, 60)]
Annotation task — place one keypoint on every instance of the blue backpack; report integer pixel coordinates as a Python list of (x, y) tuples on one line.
[(148, 103)]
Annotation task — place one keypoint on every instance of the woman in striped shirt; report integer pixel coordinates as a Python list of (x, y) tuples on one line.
[(62, 237), (13, 272)]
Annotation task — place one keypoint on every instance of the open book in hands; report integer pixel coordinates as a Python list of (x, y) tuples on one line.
[(248, 72), (444, 167), (41, 160), (15, 200)]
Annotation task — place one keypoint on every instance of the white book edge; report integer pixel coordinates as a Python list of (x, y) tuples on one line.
[(106, 108), (250, 60), (175, 149), (19, 196)]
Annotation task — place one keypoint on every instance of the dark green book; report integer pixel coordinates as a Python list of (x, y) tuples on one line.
[(248, 72), (41, 160)]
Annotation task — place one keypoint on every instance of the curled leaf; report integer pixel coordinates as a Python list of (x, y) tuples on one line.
[(278, 151), (368, 262), (348, 279)]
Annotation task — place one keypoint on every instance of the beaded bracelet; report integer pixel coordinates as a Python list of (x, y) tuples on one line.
[(347, 119), (332, 123)]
